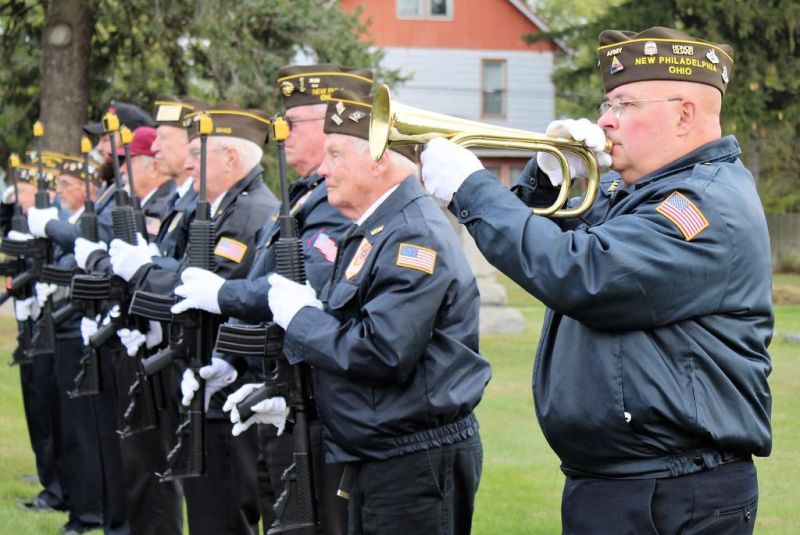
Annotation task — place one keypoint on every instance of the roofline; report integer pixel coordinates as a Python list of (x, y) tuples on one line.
[(539, 23)]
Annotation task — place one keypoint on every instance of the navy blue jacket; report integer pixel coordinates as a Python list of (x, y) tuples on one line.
[(653, 356), (394, 353), (173, 233), (319, 226)]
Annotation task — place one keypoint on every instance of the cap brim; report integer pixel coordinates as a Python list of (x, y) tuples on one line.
[(94, 128)]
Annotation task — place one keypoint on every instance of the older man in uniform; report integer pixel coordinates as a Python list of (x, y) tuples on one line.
[(171, 148), (225, 500), (651, 375), (154, 188), (319, 225), (393, 345)]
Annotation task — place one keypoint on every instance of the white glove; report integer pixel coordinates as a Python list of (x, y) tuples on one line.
[(8, 195), (132, 339), (38, 219), (84, 247), (217, 375), (200, 289), (153, 249), (126, 259), (25, 309), (154, 334), (592, 135), (43, 291), (287, 297), (445, 166), (19, 236), (269, 411), (88, 328)]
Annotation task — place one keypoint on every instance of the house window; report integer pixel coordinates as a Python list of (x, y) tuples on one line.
[(424, 9), (493, 86)]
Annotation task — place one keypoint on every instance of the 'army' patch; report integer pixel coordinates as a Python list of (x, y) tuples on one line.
[(358, 260), (684, 214), (416, 257), (231, 249)]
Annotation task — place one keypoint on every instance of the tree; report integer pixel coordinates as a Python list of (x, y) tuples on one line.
[(211, 49), (762, 103)]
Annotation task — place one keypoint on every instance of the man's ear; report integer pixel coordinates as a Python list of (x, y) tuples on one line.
[(688, 115)]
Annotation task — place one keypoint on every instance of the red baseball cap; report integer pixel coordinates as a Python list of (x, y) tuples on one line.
[(143, 138)]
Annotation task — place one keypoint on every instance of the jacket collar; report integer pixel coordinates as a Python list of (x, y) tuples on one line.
[(723, 149), (408, 190), (243, 184)]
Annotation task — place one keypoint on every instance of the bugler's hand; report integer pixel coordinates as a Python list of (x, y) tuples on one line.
[(445, 166), (583, 130)]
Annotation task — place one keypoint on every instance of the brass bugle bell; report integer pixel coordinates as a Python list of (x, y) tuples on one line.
[(393, 124)]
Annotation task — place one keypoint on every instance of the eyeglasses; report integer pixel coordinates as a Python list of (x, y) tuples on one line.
[(291, 122), (194, 154), (618, 105)]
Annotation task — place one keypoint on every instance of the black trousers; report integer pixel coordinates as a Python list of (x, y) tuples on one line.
[(275, 456), (80, 447), (42, 413), (720, 501), (430, 492), (154, 508), (115, 510), (225, 502)]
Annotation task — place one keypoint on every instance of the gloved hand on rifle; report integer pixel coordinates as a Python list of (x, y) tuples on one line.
[(89, 326), (200, 289), (217, 375), (19, 236), (583, 130), (84, 248), (45, 290), (133, 339), (287, 297), (126, 259), (269, 411), (38, 218), (25, 309)]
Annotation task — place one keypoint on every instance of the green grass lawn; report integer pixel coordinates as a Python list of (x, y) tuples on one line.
[(521, 485)]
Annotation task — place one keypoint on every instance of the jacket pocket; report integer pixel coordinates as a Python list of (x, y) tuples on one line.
[(341, 294)]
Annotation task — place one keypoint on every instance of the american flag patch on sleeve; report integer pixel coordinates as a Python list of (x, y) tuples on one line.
[(325, 245), (683, 212), (231, 249), (416, 257)]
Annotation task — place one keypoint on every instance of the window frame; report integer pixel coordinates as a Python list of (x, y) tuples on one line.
[(504, 103), (424, 10)]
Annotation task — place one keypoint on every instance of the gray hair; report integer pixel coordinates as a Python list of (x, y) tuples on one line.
[(249, 153), (397, 161)]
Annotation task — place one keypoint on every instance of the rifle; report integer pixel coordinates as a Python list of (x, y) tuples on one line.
[(87, 380), (21, 284), (296, 507), (190, 334), (141, 225), (140, 414)]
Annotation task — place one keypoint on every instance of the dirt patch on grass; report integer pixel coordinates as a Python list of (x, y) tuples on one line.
[(784, 294)]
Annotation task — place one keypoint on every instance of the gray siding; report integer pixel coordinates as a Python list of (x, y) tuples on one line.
[(449, 81)]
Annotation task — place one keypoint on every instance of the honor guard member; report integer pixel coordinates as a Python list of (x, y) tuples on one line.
[(171, 148), (304, 89), (393, 343), (129, 115), (80, 448), (37, 379), (650, 379), (225, 500), (154, 188)]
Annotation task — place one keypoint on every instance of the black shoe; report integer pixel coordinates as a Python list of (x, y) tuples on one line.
[(74, 528), (40, 504)]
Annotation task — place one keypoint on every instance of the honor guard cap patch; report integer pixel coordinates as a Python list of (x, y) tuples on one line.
[(303, 85), (662, 54), (684, 214), (416, 257), (171, 111), (231, 249)]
